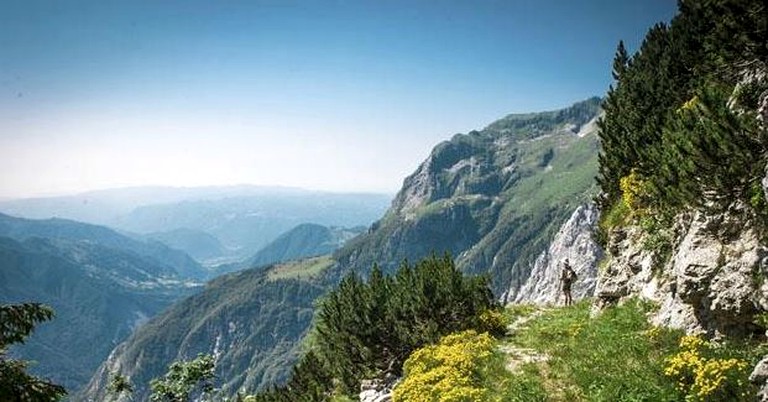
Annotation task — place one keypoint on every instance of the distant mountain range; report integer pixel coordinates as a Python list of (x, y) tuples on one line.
[(103, 284), (106, 206), (246, 224), (212, 224), (181, 266), (199, 245), (305, 240), (493, 198)]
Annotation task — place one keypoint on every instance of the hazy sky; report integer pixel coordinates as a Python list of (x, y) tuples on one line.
[(333, 95)]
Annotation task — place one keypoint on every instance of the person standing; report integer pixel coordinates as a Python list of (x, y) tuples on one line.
[(567, 277)]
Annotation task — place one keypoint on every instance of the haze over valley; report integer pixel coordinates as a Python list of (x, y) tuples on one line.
[(383, 201)]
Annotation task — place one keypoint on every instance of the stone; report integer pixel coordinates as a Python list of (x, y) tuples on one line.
[(377, 389), (759, 377), (764, 182)]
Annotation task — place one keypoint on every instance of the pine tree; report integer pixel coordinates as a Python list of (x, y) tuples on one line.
[(17, 321), (367, 329)]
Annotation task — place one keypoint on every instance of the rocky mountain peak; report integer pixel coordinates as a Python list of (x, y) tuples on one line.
[(492, 198), (484, 163)]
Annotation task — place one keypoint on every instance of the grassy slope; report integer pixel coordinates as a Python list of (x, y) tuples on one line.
[(565, 354), (537, 204), (300, 269), (615, 356)]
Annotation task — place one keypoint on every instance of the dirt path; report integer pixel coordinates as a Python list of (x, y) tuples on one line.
[(517, 356)]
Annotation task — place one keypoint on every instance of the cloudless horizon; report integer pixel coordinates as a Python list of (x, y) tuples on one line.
[(323, 95)]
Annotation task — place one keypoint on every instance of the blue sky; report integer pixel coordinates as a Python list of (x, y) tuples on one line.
[(332, 95)]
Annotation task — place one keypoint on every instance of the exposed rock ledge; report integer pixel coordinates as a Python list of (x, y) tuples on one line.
[(714, 282)]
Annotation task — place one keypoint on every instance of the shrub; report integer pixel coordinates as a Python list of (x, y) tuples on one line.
[(453, 370), (183, 378), (616, 215), (634, 192), (17, 321), (704, 377), (365, 329), (494, 322)]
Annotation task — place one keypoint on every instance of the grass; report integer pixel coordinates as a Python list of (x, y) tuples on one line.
[(615, 356), (609, 358), (617, 215), (516, 311), (301, 269), (573, 170)]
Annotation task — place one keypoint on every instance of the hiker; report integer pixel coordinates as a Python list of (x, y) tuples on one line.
[(567, 277)]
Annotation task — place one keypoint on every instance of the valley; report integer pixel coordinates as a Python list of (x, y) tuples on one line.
[(647, 205), (104, 283), (468, 199)]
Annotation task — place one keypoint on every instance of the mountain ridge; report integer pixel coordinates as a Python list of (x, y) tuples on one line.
[(57, 228), (469, 187), (474, 190), (304, 240)]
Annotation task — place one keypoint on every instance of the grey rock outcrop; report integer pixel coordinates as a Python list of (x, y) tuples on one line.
[(575, 242), (377, 390), (764, 182), (712, 282), (759, 377)]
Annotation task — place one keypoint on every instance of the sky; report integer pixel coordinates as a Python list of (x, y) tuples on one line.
[(325, 95)]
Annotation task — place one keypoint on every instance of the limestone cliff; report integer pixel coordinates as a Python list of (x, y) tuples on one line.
[(711, 281), (575, 242)]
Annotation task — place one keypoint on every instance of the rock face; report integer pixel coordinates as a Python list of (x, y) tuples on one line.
[(575, 242), (759, 377), (764, 182), (713, 282)]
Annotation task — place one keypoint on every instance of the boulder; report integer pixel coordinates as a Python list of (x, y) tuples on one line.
[(377, 390), (759, 377)]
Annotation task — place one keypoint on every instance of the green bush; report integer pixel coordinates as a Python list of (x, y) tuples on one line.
[(616, 215), (681, 117), (708, 372), (454, 370), (367, 328)]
